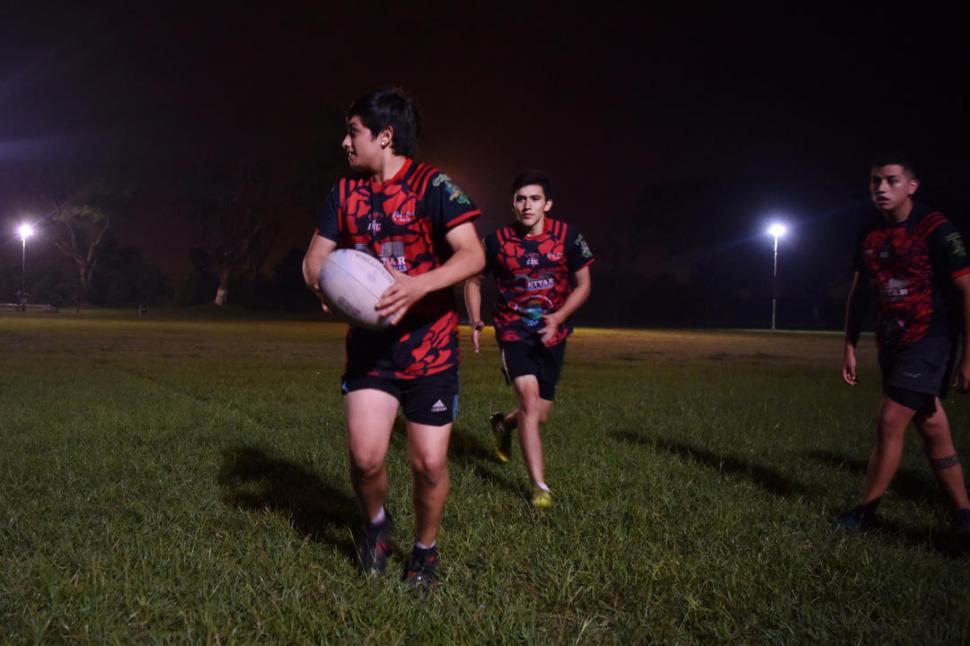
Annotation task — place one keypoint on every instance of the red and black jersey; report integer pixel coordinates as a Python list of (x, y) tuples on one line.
[(402, 221), (533, 274), (910, 267)]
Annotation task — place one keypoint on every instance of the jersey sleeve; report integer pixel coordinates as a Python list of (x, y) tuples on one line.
[(447, 204), (946, 245), (578, 253), (327, 222)]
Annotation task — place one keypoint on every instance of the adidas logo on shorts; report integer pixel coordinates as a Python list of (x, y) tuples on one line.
[(439, 407)]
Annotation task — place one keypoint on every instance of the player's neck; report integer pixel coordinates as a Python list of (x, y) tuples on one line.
[(900, 213), (390, 166), (535, 230)]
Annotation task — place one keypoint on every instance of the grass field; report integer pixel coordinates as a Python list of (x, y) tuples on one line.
[(185, 480)]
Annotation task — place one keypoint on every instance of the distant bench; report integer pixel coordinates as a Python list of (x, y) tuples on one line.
[(29, 307)]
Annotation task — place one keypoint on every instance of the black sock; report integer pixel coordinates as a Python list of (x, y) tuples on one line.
[(425, 551)]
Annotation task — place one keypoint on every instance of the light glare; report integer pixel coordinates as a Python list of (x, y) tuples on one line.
[(777, 230)]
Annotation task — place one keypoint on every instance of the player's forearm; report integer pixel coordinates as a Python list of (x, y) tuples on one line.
[(855, 311), (464, 263), (963, 286), (582, 287), (473, 298), (314, 258), (853, 329), (311, 270), (574, 301)]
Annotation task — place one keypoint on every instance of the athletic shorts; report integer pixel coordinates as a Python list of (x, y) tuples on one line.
[(915, 374), (431, 400), (545, 363)]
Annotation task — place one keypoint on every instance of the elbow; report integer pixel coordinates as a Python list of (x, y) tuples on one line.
[(309, 276)]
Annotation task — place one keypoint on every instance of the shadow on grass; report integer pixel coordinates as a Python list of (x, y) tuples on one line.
[(253, 481), (468, 450), (910, 485), (770, 480), (938, 539), (907, 484)]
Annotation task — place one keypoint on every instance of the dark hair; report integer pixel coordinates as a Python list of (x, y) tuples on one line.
[(896, 157), (390, 107), (529, 177)]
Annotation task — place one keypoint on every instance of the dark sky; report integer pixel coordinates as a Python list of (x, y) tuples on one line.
[(768, 110)]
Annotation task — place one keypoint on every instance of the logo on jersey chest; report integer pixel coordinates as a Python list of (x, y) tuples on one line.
[(532, 259), (540, 284), (896, 289), (402, 219), (392, 253)]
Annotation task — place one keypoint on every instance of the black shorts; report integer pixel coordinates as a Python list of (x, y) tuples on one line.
[(915, 374), (431, 400), (545, 363)]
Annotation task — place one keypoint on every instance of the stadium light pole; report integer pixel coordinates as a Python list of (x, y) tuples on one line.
[(25, 230), (776, 231)]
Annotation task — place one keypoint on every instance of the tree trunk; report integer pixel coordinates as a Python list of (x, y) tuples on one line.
[(83, 281), (222, 293)]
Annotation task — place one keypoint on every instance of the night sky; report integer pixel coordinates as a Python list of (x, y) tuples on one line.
[(739, 113)]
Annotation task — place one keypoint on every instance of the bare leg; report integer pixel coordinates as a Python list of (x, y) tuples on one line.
[(886, 455), (532, 410), (370, 418), (428, 454), (938, 442)]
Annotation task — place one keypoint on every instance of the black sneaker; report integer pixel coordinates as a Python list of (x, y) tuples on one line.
[(858, 519), (421, 568), (374, 545), (960, 525), (503, 437)]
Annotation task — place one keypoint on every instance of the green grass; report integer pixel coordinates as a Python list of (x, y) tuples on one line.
[(185, 480)]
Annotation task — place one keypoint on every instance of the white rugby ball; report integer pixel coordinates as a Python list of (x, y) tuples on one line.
[(352, 282)]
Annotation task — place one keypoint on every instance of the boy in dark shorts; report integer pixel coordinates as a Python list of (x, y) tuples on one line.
[(913, 261), (541, 269), (419, 223)]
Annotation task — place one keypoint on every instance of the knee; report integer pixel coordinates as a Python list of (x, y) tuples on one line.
[(365, 465), (531, 405), (933, 429), (430, 469)]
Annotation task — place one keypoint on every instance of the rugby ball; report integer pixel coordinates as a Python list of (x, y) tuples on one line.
[(352, 282)]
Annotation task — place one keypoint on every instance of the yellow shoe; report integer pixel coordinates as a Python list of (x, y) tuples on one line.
[(541, 499), (503, 437)]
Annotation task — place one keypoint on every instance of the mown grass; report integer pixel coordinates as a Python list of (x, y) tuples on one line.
[(185, 480)]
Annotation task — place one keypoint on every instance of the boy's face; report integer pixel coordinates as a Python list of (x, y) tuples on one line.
[(890, 186), (530, 206), (363, 149)]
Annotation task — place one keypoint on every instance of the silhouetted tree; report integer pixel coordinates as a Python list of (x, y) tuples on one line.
[(238, 217)]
